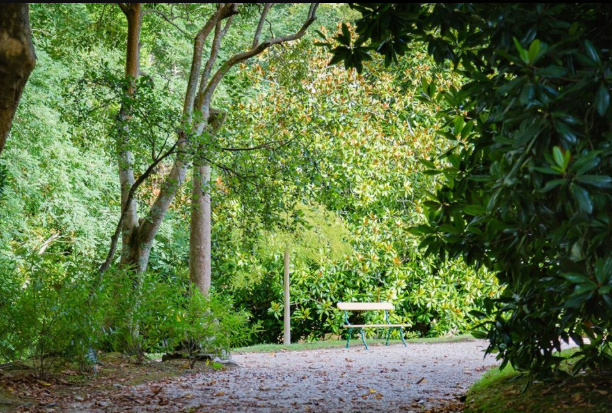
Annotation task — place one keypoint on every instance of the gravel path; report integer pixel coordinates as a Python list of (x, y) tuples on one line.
[(382, 379)]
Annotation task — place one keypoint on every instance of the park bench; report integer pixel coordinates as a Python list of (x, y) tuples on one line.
[(346, 307)]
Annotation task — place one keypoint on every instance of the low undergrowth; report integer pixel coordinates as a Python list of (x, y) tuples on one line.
[(506, 391)]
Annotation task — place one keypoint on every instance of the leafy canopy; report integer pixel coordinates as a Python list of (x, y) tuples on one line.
[(527, 188)]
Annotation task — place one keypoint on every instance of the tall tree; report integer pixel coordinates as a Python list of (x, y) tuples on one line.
[(199, 257), (200, 122), (17, 60)]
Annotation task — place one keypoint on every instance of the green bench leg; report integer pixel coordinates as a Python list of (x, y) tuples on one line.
[(348, 339), (388, 335), (402, 336), (363, 339)]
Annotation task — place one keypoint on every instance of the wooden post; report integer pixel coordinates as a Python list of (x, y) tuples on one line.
[(287, 317)]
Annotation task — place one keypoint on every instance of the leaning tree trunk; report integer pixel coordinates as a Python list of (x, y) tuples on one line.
[(17, 59)]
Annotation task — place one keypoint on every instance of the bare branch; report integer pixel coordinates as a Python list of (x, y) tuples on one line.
[(262, 20)]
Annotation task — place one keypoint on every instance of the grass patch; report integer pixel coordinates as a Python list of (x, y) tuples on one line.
[(355, 343), (502, 392)]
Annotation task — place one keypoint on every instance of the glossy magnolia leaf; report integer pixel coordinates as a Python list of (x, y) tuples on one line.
[(600, 181), (534, 51), (559, 158), (548, 171), (566, 132), (475, 210), (586, 163), (591, 52), (524, 54), (553, 184), (577, 301), (576, 278), (552, 71), (603, 270), (581, 196), (602, 99)]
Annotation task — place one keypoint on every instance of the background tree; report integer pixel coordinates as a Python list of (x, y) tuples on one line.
[(17, 60), (528, 183)]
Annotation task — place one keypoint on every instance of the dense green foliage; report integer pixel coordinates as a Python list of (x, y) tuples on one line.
[(336, 177), (367, 172), (527, 185)]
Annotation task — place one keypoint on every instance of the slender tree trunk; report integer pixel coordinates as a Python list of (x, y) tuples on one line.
[(199, 239), (287, 299), (17, 60), (200, 260), (133, 13)]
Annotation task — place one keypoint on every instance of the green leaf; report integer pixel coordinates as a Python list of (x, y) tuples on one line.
[(586, 163), (427, 163), (553, 184), (578, 300), (581, 196), (602, 99), (421, 230), (576, 278), (534, 51), (558, 157), (552, 71), (475, 210), (477, 314), (345, 37), (603, 270), (591, 51), (448, 228), (522, 52), (548, 171), (479, 334), (566, 132), (599, 181)]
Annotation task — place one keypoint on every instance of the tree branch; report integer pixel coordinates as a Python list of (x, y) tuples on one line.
[(240, 57), (123, 7), (115, 238), (262, 20)]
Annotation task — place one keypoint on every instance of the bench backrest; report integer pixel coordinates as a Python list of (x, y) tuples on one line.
[(364, 306)]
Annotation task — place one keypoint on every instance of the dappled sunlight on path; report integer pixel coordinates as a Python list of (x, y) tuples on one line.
[(382, 379)]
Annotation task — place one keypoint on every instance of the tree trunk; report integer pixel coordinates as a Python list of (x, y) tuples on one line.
[(287, 299), (133, 13), (17, 60), (199, 239), (200, 259)]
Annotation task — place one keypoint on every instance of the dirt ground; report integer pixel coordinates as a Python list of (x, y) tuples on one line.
[(417, 378)]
